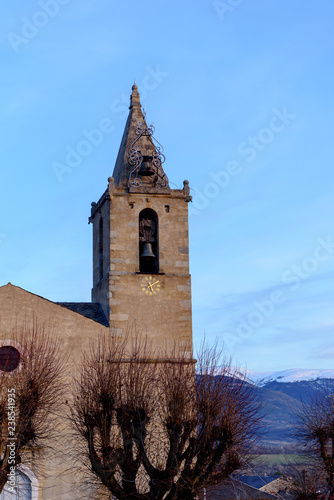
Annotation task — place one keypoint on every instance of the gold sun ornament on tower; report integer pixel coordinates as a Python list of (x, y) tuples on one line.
[(150, 286)]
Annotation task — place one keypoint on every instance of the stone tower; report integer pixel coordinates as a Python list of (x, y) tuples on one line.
[(140, 244)]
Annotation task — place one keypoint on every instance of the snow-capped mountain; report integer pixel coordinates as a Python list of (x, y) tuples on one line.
[(292, 375), (283, 394)]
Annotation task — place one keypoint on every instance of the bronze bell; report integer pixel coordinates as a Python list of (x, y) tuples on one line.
[(146, 168), (147, 250)]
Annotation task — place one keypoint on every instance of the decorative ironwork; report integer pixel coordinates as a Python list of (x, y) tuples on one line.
[(136, 158)]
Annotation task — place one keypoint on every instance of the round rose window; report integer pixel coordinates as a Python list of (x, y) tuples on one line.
[(9, 358)]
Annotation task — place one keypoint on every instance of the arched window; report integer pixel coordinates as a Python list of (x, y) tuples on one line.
[(148, 241), (18, 487), (101, 249)]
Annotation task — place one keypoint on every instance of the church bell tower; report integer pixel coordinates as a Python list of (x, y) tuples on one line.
[(140, 244)]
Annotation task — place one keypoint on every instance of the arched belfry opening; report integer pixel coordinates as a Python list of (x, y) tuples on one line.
[(101, 249), (148, 241)]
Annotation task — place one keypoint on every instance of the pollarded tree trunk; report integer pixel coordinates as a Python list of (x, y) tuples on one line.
[(3, 478), (315, 429), (157, 430)]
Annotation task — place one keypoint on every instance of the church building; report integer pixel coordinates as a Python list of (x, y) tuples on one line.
[(141, 283)]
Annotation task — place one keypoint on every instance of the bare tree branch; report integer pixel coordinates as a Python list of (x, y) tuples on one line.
[(160, 430), (315, 429), (29, 395)]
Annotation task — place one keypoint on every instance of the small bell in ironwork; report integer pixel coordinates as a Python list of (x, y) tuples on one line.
[(147, 250), (146, 168)]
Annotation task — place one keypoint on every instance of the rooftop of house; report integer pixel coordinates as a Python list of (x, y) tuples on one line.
[(232, 489), (255, 481)]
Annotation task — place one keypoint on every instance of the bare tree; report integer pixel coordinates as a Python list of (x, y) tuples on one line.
[(30, 389), (154, 429), (308, 482), (315, 429)]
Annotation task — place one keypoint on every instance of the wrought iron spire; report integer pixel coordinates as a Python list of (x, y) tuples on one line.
[(140, 156)]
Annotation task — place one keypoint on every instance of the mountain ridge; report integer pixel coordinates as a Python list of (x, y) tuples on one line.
[(285, 394), (291, 375)]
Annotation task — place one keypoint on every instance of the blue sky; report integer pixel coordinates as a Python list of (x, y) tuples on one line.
[(241, 95)]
